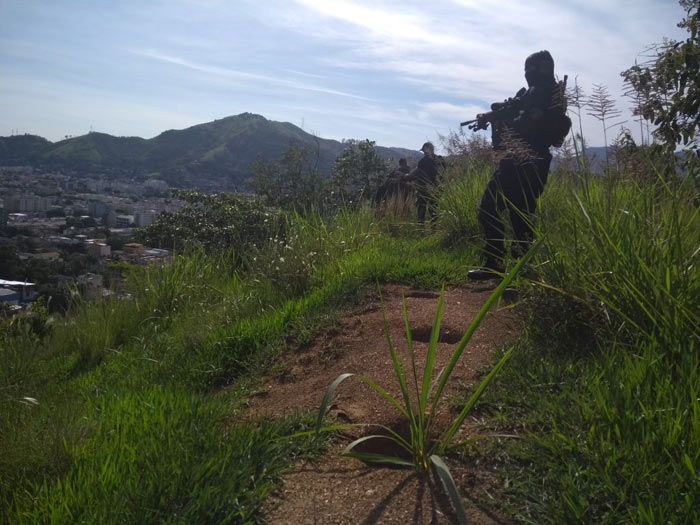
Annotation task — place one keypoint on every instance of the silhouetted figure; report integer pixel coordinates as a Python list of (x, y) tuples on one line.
[(403, 168), (424, 179), (394, 182), (523, 129)]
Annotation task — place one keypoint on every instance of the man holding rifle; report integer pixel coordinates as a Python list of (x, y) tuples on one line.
[(523, 128)]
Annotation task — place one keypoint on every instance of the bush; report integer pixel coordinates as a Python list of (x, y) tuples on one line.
[(219, 222)]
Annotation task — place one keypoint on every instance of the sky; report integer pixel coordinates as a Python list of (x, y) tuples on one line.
[(397, 72)]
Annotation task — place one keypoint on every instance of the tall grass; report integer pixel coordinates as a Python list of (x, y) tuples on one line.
[(613, 356), (175, 335), (635, 262), (456, 201), (638, 258)]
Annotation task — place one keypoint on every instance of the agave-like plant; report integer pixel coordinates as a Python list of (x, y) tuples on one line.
[(423, 445)]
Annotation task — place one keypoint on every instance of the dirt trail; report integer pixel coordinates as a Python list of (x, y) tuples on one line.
[(341, 490)]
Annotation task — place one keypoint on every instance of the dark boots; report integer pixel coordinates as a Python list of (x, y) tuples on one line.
[(492, 269)]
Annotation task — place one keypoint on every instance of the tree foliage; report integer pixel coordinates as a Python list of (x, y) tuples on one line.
[(217, 222), (359, 171), (668, 85), (290, 182)]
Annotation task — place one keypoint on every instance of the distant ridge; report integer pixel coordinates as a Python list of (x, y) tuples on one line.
[(213, 155)]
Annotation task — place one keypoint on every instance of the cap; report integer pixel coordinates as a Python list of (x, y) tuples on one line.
[(427, 145)]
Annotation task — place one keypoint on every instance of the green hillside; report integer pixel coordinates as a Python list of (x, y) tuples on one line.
[(97, 148), (205, 155), (22, 149)]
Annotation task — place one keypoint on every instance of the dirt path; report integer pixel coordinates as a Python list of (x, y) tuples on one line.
[(342, 490)]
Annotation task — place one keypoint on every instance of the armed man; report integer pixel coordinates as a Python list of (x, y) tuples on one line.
[(424, 180), (523, 128)]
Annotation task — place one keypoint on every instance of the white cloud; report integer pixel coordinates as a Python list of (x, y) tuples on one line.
[(398, 71), (393, 24), (474, 49)]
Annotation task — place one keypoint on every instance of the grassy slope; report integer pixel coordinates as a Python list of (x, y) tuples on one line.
[(126, 427), (606, 384)]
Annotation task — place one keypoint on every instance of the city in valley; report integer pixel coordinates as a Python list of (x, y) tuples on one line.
[(62, 234)]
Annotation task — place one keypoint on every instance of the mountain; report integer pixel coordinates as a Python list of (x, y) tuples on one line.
[(216, 154)]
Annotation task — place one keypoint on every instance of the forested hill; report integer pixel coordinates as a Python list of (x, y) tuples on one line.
[(212, 155)]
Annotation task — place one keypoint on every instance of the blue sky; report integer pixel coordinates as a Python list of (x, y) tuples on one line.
[(395, 72)]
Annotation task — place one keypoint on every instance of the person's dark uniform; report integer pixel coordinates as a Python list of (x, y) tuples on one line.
[(394, 183), (424, 179), (522, 171)]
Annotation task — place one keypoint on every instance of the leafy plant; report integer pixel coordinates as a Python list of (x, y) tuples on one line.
[(667, 86), (420, 399)]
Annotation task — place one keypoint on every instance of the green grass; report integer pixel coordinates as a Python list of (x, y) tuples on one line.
[(162, 455), (185, 331), (607, 381), (121, 412)]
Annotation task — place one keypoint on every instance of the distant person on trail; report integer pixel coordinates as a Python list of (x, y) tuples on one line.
[(394, 183), (403, 168), (523, 129), (424, 179)]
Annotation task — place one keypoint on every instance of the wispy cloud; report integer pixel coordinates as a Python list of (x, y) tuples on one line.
[(474, 50), (61, 108), (240, 75), (455, 112), (301, 73)]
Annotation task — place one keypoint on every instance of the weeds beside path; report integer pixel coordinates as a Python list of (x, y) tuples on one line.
[(340, 490)]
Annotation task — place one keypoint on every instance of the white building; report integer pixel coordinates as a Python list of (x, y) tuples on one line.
[(143, 218), (124, 221), (17, 291)]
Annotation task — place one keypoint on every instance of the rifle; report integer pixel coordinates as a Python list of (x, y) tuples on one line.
[(509, 109), (500, 111)]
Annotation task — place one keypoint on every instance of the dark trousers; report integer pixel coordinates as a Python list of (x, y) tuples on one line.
[(515, 187), (424, 202)]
